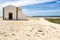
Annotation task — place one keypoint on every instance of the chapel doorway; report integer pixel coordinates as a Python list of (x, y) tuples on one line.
[(10, 16)]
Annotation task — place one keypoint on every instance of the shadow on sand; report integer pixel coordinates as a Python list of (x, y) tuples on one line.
[(17, 20)]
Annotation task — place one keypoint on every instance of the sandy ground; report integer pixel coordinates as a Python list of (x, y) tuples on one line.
[(32, 29)]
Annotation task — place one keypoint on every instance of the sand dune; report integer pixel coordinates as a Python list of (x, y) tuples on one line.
[(33, 29)]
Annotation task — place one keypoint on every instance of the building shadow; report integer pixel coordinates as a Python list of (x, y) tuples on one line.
[(17, 20)]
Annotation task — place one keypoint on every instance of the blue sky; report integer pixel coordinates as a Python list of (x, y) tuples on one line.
[(34, 7)]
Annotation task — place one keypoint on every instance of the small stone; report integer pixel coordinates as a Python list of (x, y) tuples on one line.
[(13, 34), (5, 35), (16, 39), (28, 35), (30, 30), (40, 31)]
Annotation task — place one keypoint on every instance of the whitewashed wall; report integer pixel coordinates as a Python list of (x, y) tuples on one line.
[(11, 9), (21, 15)]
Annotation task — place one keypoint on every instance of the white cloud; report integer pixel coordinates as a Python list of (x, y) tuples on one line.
[(25, 2), (35, 11), (28, 2)]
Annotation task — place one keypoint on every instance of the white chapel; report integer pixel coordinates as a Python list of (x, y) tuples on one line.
[(11, 12)]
